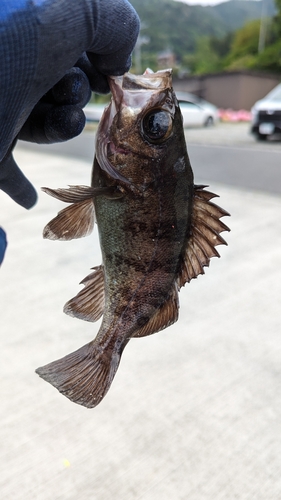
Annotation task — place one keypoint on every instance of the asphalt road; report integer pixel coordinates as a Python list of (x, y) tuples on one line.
[(251, 169), (194, 411), (226, 153)]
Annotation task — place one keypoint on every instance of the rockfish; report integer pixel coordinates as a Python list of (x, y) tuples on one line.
[(157, 230)]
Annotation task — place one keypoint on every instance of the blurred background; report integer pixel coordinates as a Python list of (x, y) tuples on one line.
[(196, 39), (194, 411)]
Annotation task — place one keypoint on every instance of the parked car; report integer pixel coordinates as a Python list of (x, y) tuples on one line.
[(93, 112), (266, 115), (195, 111)]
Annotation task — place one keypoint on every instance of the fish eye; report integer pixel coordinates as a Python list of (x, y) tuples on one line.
[(157, 125)]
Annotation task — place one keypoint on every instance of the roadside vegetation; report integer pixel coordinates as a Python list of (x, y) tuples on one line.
[(233, 35)]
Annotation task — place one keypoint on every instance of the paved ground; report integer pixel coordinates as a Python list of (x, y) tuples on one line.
[(194, 412), (232, 134)]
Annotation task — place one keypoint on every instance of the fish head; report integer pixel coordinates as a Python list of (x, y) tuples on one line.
[(141, 124)]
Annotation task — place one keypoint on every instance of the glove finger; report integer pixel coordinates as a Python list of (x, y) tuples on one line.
[(98, 81), (63, 123), (49, 123), (14, 183), (109, 64), (114, 38), (3, 244), (73, 88)]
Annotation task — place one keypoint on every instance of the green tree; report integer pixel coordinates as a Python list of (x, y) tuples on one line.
[(277, 18), (270, 58), (204, 60), (221, 46), (246, 52), (245, 41)]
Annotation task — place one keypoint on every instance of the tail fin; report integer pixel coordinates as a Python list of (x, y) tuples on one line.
[(84, 376)]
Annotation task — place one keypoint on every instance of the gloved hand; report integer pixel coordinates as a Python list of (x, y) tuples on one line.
[(52, 54), (3, 244)]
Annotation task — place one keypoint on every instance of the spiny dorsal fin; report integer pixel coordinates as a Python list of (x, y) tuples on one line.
[(164, 316), (206, 227), (89, 303)]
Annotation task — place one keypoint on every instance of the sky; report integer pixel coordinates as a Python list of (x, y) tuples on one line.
[(202, 2)]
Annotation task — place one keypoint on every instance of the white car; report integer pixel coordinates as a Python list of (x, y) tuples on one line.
[(93, 112), (196, 112), (266, 115)]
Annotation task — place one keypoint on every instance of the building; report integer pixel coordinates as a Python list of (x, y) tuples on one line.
[(166, 59), (233, 89)]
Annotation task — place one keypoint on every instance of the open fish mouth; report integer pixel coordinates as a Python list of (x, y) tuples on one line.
[(105, 147), (139, 87), (130, 93)]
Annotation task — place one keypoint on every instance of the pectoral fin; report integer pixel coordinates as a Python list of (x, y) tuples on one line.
[(89, 303), (72, 194), (206, 227), (76, 220), (72, 222)]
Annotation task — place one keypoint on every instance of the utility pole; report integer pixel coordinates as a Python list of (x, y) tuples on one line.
[(142, 40), (263, 23)]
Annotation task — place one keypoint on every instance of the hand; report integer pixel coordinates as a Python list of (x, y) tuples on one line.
[(3, 244), (53, 53)]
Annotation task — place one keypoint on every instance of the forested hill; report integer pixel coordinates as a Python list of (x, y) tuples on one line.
[(235, 13), (174, 25)]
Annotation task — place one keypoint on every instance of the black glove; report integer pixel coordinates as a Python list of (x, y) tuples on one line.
[(3, 244), (53, 53)]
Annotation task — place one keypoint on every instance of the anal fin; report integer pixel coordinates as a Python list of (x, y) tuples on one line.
[(88, 304), (165, 316)]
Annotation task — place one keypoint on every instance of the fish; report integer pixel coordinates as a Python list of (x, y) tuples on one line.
[(157, 231)]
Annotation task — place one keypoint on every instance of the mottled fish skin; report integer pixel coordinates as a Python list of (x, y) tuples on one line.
[(157, 231), (143, 235)]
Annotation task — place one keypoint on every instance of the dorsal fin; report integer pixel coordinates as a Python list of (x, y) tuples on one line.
[(206, 227), (164, 316), (89, 303)]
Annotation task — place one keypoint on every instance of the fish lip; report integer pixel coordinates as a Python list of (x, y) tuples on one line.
[(132, 91), (149, 81)]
